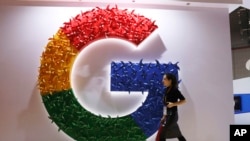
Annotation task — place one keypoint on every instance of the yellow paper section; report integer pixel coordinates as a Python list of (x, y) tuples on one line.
[(56, 63)]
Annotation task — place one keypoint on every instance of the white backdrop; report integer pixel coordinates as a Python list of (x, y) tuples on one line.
[(199, 39)]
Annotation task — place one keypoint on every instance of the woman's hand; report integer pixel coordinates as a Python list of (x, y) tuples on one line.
[(170, 105), (163, 119)]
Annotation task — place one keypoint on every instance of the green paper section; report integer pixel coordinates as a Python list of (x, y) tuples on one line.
[(82, 125)]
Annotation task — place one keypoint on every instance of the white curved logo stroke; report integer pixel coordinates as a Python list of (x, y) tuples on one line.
[(90, 75)]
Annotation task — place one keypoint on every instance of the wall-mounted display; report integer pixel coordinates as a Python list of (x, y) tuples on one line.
[(55, 83)]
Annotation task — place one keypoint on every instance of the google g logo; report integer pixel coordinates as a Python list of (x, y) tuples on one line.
[(91, 88)]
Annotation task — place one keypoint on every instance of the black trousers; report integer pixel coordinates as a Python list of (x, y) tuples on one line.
[(171, 128)]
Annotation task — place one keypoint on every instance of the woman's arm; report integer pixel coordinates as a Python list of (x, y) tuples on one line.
[(170, 104), (163, 119)]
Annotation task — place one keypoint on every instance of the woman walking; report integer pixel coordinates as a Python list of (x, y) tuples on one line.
[(172, 98)]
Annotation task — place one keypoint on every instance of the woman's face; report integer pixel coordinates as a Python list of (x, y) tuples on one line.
[(166, 82)]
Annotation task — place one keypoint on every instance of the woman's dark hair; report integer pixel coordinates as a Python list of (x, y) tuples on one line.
[(172, 77)]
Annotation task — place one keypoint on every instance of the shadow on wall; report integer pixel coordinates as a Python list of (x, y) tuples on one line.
[(35, 123)]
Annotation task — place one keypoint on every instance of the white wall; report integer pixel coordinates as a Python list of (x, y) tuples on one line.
[(197, 38), (245, 3)]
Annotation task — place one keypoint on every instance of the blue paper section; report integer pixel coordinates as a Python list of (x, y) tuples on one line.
[(143, 77), (245, 104)]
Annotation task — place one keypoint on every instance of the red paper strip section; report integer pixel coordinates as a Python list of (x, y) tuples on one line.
[(110, 22)]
